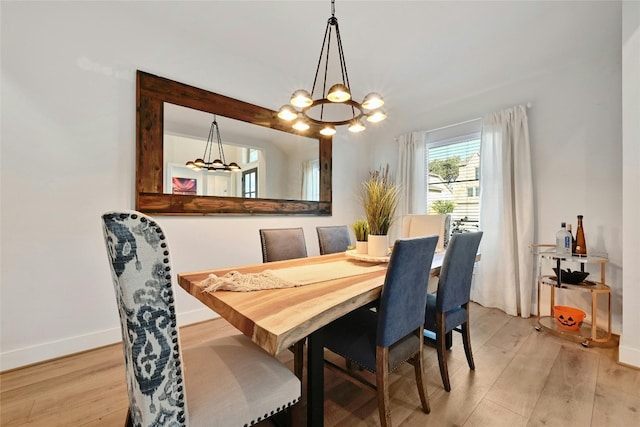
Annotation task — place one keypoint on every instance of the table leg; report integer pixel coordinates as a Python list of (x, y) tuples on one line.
[(448, 340), (315, 380)]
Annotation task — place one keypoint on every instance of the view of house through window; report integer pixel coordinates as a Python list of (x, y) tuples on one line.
[(453, 178)]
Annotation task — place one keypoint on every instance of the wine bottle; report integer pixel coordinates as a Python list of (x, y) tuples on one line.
[(573, 240), (581, 244), (563, 240)]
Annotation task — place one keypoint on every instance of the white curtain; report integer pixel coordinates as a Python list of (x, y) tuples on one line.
[(310, 180), (410, 177), (505, 274)]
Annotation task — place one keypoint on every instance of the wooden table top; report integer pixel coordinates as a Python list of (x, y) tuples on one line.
[(277, 318)]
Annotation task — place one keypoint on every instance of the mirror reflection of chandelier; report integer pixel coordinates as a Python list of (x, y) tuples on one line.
[(219, 164), (299, 112)]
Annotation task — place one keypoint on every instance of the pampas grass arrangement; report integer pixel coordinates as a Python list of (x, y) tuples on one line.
[(380, 201)]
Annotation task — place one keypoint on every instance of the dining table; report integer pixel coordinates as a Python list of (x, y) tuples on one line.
[(324, 288)]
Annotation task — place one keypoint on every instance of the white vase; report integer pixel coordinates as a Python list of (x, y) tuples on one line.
[(378, 245), (361, 247)]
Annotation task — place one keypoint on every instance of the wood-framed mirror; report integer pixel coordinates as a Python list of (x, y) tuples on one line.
[(153, 94)]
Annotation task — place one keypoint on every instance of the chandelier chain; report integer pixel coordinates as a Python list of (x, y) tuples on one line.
[(218, 138)]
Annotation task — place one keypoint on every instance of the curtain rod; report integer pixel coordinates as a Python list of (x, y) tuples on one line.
[(529, 105), (453, 125)]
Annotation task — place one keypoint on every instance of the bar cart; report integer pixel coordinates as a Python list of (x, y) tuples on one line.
[(589, 333)]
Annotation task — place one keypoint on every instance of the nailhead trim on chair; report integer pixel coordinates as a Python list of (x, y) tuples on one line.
[(266, 416), (164, 293)]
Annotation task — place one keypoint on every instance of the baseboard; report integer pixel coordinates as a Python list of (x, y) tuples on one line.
[(52, 350), (629, 356)]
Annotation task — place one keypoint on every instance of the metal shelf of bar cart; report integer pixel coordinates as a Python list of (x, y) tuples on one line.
[(589, 333)]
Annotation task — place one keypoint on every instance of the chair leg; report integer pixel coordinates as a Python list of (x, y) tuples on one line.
[(128, 422), (440, 345), (382, 384), (418, 367), (466, 340)]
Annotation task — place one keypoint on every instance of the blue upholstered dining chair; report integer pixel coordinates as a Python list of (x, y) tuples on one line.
[(448, 309), (228, 381), (379, 341), (279, 244), (333, 239)]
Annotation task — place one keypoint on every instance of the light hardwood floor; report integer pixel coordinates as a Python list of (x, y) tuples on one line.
[(522, 378)]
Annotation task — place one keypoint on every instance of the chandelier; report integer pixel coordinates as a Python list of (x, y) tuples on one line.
[(219, 164), (351, 113)]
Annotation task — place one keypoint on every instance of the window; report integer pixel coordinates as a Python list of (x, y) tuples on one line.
[(250, 183), (250, 155), (452, 175)]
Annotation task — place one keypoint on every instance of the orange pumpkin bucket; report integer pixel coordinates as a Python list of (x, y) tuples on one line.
[(569, 317)]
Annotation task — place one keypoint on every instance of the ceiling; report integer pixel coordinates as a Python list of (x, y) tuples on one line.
[(420, 55)]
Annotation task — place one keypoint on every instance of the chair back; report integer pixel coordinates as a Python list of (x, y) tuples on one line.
[(333, 239), (141, 271), (454, 287), (427, 225), (282, 243), (404, 294)]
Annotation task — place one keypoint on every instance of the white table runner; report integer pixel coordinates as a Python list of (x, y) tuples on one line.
[(288, 277)]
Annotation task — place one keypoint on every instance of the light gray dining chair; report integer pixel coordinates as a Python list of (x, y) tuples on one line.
[(228, 381), (448, 309), (333, 238), (280, 244), (381, 340), (428, 225)]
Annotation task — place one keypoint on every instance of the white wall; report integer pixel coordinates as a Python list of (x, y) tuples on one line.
[(629, 350)]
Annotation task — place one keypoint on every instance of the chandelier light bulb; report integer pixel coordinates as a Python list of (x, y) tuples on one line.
[(234, 166), (356, 126), (287, 113), (376, 116), (328, 130), (301, 98), (200, 163), (372, 101), (300, 125), (339, 93)]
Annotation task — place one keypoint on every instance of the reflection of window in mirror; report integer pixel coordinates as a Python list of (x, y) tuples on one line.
[(310, 180), (250, 155), (250, 183)]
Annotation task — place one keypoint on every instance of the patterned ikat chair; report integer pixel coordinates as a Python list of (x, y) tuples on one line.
[(224, 382)]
